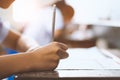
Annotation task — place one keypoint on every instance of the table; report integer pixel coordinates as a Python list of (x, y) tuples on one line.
[(107, 23), (71, 75), (83, 64)]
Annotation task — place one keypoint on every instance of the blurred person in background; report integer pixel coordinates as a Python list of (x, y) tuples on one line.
[(66, 10), (40, 27), (67, 13)]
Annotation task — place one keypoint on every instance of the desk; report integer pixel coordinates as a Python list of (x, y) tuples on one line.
[(82, 64), (71, 75), (107, 23)]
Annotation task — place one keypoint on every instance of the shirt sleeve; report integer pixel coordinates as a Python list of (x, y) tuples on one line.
[(4, 29)]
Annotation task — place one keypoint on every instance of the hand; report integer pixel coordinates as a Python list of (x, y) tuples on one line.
[(47, 57)]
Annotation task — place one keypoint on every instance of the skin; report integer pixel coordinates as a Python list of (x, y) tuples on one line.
[(37, 59)]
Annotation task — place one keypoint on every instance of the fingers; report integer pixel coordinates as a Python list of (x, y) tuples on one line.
[(62, 54), (61, 45)]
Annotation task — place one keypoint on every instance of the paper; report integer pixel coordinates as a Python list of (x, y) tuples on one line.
[(89, 58)]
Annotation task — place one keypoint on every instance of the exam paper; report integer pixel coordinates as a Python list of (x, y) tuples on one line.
[(87, 58)]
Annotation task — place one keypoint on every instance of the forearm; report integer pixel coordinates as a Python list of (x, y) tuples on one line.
[(13, 64), (45, 58), (58, 33), (12, 39), (2, 51), (25, 43), (16, 42)]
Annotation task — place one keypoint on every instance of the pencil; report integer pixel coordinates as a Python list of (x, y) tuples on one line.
[(53, 21)]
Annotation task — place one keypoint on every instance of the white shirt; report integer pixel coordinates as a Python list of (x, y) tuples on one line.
[(4, 29), (41, 26)]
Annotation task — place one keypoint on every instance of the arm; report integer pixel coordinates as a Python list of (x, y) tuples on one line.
[(41, 58), (45, 58), (15, 41), (2, 51)]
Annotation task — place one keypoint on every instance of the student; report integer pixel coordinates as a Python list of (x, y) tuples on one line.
[(65, 9), (35, 59), (40, 27)]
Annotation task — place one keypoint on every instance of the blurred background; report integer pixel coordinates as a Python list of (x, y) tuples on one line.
[(89, 20)]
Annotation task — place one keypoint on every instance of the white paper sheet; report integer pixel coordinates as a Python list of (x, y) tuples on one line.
[(89, 58)]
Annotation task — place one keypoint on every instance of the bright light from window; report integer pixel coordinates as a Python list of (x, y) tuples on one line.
[(23, 10)]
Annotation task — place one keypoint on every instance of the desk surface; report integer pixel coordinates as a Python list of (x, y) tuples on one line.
[(82, 64), (70, 74), (107, 23)]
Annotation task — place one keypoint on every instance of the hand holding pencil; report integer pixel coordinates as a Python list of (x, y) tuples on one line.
[(53, 32)]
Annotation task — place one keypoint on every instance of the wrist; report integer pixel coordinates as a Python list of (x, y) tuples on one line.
[(25, 63), (33, 48), (26, 43)]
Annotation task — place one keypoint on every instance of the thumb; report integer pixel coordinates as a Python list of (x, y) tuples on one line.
[(62, 54)]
